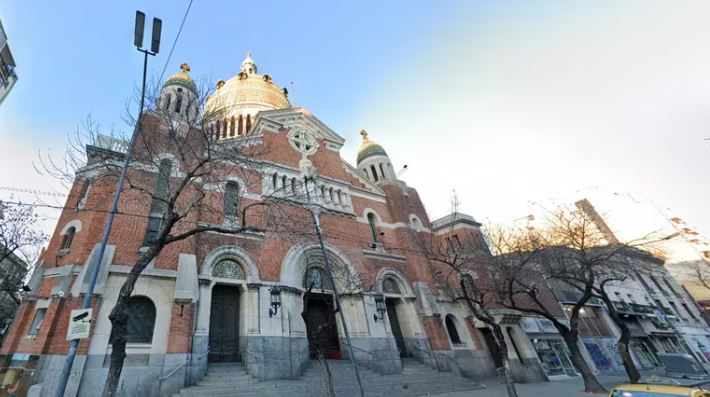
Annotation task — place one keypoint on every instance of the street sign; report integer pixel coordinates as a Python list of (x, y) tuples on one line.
[(79, 324)]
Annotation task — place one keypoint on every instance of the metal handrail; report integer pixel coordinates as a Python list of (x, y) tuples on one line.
[(362, 350), (252, 354), (182, 365), (425, 351)]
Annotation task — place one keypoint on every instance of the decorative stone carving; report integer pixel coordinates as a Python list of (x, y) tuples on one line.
[(228, 269)]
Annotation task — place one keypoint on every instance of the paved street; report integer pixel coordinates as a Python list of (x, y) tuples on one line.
[(562, 388)]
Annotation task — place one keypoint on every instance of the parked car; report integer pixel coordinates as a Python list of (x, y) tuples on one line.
[(678, 365), (655, 390)]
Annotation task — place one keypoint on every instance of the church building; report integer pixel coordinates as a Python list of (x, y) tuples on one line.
[(219, 297)]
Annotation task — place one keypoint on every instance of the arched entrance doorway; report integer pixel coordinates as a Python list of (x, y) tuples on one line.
[(319, 315), (224, 313), (393, 298)]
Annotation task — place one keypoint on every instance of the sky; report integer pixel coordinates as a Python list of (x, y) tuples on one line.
[(507, 103)]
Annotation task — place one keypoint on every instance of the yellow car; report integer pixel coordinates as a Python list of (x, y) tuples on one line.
[(654, 390)]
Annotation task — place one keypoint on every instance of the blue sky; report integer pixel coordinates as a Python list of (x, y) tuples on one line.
[(507, 102)]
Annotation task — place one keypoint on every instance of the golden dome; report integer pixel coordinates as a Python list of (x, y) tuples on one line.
[(182, 78), (247, 89), (368, 148)]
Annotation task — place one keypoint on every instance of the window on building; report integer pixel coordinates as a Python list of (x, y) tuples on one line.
[(231, 200), (687, 309), (315, 278), (294, 188), (68, 238), (37, 321), (141, 320), (390, 286), (416, 225), (178, 102), (382, 170), (225, 124), (248, 126), (675, 309), (153, 230), (274, 180), (658, 285), (670, 287), (451, 329), (374, 173), (166, 101), (231, 126), (373, 226), (83, 194), (644, 284), (469, 282)]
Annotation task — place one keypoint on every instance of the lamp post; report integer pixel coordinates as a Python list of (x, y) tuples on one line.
[(314, 210), (154, 47), (275, 301), (380, 306)]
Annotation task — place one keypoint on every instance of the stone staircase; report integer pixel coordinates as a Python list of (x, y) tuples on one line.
[(416, 379)]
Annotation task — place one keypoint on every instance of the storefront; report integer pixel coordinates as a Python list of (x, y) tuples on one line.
[(551, 350), (644, 353)]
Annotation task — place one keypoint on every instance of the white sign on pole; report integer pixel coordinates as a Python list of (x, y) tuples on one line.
[(79, 324)]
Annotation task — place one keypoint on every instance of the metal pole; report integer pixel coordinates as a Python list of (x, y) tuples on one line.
[(351, 354), (66, 370)]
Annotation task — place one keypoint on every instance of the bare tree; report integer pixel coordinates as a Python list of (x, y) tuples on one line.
[(458, 265), (20, 241), (181, 180), (571, 255)]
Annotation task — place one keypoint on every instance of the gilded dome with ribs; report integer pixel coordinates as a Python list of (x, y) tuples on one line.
[(247, 90)]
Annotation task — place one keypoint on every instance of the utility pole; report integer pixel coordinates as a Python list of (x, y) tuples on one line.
[(313, 208), (154, 48)]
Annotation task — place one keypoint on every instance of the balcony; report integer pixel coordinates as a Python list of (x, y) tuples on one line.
[(634, 309)]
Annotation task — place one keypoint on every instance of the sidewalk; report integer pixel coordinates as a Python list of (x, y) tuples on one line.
[(572, 387)]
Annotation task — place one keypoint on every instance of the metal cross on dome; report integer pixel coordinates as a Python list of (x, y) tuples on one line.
[(303, 142)]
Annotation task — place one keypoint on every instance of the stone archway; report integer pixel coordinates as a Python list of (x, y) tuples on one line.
[(403, 321)]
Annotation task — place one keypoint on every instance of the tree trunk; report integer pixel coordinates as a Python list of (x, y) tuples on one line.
[(507, 375), (119, 322), (591, 384), (326, 372), (497, 334), (629, 366), (623, 342)]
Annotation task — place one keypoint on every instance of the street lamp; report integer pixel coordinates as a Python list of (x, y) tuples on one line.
[(380, 306), (275, 301), (154, 46)]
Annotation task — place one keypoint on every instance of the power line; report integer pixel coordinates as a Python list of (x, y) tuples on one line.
[(170, 54), (32, 191)]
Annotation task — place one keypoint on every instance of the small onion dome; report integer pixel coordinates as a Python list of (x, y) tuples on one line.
[(368, 148), (182, 79)]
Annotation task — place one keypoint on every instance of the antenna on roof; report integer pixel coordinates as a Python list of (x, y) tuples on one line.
[(292, 94), (402, 171)]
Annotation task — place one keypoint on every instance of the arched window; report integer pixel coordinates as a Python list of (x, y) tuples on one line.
[(218, 126), (315, 278), (241, 127), (294, 188), (468, 281), (248, 123), (166, 101), (283, 182), (373, 226), (83, 194), (228, 269), (159, 203), (390, 286), (274, 180), (231, 199), (451, 329), (382, 170), (330, 194), (416, 225), (231, 126), (178, 102), (374, 173), (141, 320), (68, 237), (322, 192), (224, 127)]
